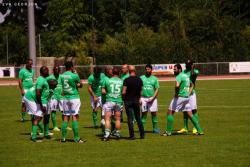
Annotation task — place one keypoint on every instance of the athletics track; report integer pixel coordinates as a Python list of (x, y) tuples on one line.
[(14, 82)]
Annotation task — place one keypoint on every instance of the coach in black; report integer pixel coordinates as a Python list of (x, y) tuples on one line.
[(132, 87)]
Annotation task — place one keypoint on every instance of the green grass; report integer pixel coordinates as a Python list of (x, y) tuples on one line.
[(224, 109)]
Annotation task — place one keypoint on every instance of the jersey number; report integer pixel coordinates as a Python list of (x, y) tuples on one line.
[(66, 86), (115, 88)]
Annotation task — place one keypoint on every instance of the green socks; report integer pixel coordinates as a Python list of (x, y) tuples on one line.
[(46, 124), (34, 132), (64, 129), (196, 124), (94, 117), (155, 122), (53, 118), (185, 119), (74, 127), (75, 130), (40, 126), (170, 121), (196, 116), (144, 120)]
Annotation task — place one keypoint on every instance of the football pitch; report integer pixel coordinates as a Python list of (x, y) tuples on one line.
[(224, 110)]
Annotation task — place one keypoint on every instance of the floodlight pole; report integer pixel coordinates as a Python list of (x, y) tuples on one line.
[(93, 34), (125, 15), (40, 47), (31, 32), (7, 49)]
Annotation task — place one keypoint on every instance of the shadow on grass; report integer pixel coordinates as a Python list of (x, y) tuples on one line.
[(67, 140), (114, 138), (91, 127), (25, 134), (174, 133), (23, 121)]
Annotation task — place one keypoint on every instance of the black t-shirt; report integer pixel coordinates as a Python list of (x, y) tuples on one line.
[(134, 86)]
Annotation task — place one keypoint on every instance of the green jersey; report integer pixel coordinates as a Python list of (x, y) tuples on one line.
[(113, 89), (102, 76), (105, 79), (124, 76), (184, 80), (31, 94), (149, 85), (27, 78), (42, 84), (96, 84), (57, 92), (69, 82)]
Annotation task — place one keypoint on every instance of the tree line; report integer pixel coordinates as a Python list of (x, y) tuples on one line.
[(132, 31)]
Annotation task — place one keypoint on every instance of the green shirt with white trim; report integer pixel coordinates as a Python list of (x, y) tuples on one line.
[(69, 82), (149, 85), (113, 88), (27, 78), (184, 80)]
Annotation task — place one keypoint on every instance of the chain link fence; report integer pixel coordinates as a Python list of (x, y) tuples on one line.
[(206, 69)]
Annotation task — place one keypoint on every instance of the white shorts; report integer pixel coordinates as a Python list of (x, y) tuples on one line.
[(180, 104), (103, 110), (112, 106), (193, 101), (34, 109), (96, 105), (71, 107), (55, 105), (148, 107)]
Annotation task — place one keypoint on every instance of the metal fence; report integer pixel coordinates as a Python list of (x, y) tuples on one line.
[(213, 68)]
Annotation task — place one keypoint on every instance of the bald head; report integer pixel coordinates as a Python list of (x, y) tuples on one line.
[(44, 71), (108, 71), (132, 70), (125, 69)]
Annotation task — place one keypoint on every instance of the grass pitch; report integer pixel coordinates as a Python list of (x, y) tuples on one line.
[(224, 110)]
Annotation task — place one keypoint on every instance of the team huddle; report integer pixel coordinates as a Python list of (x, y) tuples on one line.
[(112, 93)]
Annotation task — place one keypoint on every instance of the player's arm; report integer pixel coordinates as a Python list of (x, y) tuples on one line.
[(78, 82), (194, 72), (20, 82), (104, 91), (156, 91), (33, 77), (39, 99), (79, 85), (141, 86), (155, 94), (62, 82), (92, 94), (90, 90), (191, 88), (124, 90), (103, 84), (177, 88)]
